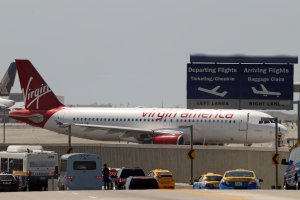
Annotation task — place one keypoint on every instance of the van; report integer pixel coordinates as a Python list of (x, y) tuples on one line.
[(292, 172), (80, 171)]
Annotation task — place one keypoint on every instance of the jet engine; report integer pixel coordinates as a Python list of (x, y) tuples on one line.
[(168, 139)]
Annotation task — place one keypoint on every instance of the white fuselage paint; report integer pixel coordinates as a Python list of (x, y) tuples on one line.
[(209, 126)]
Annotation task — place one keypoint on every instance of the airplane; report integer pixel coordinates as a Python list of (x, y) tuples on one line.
[(264, 91), (139, 125), (213, 91), (5, 86)]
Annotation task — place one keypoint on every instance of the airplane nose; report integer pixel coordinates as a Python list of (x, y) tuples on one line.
[(282, 129)]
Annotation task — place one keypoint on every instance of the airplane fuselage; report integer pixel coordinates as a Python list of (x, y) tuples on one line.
[(209, 126)]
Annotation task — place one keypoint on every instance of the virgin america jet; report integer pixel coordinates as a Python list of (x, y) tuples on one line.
[(140, 125)]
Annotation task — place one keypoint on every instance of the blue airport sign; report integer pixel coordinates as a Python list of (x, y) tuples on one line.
[(243, 86)]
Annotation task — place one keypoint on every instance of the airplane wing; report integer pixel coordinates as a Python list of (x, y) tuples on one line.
[(116, 128), (140, 134)]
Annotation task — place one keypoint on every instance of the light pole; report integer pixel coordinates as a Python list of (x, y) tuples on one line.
[(66, 125), (275, 119), (4, 123)]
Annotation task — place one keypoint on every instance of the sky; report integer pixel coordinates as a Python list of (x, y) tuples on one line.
[(134, 52)]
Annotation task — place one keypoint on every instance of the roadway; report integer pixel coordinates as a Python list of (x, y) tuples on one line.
[(156, 195)]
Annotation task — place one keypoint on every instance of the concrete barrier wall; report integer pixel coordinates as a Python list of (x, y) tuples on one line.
[(208, 159)]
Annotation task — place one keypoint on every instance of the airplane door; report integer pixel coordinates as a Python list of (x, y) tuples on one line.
[(243, 122)]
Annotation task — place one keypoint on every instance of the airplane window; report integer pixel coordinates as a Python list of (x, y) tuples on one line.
[(128, 119), (229, 121), (214, 121), (108, 119), (193, 120), (209, 121), (189, 120), (136, 119), (97, 119), (84, 119), (205, 120), (140, 120), (197, 120), (117, 119), (177, 120), (165, 120), (218, 121), (112, 119), (120, 119), (104, 119), (171, 120), (148, 120), (181, 120), (152, 120), (225, 121), (89, 119), (156, 120), (132, 119), (100, 119), (74, 119), (144, 120), (185, 120), (124, 120), (233, 121), (201, 120)]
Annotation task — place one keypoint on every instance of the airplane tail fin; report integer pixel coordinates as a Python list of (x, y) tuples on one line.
[(37, 94), (8, 80)]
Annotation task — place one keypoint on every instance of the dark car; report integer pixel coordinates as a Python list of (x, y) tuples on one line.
[(8, 183), (292, 172), (124, 173), (141, 183)]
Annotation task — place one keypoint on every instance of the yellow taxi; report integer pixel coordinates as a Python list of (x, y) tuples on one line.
[(240, 179), (164, 178), (207, 181)]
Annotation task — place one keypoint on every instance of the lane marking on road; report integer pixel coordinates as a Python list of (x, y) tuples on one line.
[(207, 193), (92, 197)]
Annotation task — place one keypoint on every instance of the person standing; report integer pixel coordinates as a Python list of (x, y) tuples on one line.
[(105, 173)]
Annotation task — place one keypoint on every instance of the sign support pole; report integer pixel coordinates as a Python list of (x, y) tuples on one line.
[(192, 162), (276, 150)]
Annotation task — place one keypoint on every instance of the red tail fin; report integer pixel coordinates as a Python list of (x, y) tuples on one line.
[(37, 94)]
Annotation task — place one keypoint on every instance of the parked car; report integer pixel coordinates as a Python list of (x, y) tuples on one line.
[(8, 183), (163, 177), (141, 183), (240, 179), (292, 173), (124, 173), (208, 181)]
